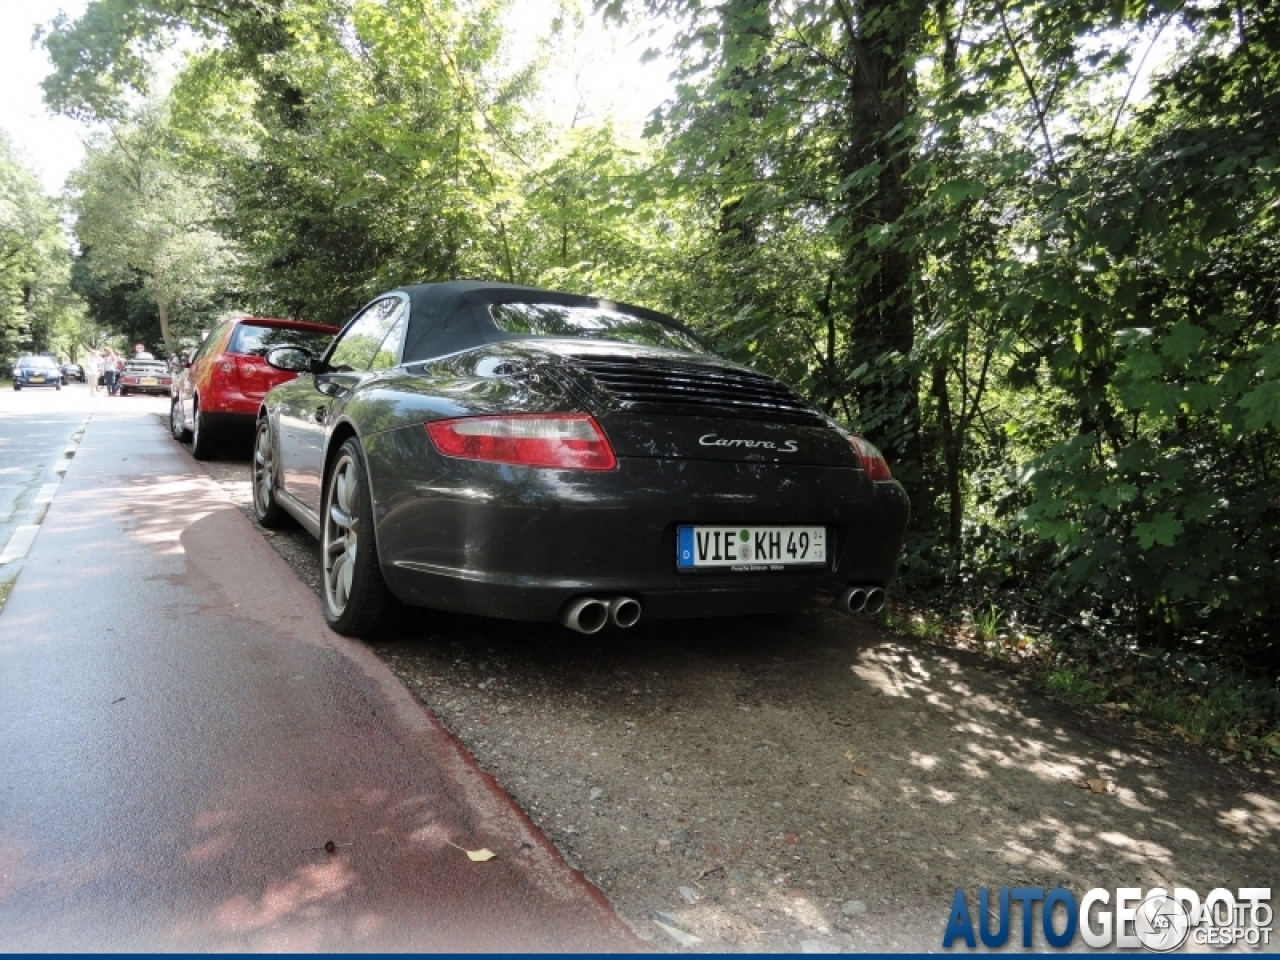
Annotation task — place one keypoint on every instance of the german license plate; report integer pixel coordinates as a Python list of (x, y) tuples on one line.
[(749, 549), (149, 381)]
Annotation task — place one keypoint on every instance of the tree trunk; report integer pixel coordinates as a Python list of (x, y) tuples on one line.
[(951, 458), (882, 42), (745, 29), (162, 307)]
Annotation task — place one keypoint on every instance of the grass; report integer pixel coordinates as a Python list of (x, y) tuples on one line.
[(917, 623), (1072, 685), (6, 588), (987, 624)]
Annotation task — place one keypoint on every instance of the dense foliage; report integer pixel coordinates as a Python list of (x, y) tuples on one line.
[(38, 311), (1029, 247)]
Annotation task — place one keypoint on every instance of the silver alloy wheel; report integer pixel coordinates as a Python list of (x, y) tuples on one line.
[(264, 468), (176, 426), (195, 426), (341, 534)]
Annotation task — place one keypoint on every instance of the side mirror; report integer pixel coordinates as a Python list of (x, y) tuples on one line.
[(293, 359)]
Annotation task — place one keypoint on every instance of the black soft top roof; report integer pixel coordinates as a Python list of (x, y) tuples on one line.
[(448, 317)]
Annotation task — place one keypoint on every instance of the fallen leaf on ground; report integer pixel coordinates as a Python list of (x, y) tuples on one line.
[(860, 771), (1096, 785), (477, 856)]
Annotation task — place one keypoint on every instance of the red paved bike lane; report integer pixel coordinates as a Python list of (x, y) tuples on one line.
[(181, 734)]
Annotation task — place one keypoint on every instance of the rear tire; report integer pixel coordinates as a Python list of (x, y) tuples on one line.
[(177, 423), (204, 446), (357, 602), (262, 474)]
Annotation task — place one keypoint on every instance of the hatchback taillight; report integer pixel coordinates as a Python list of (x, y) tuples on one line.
[(874, 464), (250, 367), (571, 440)]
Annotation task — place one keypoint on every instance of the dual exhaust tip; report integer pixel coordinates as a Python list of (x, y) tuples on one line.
[(591, 614), (861, 600)]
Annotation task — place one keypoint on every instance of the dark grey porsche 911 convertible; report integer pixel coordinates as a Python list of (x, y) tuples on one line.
[(519, 453)]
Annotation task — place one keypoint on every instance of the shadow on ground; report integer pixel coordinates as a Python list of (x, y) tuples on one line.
[(813, 780)]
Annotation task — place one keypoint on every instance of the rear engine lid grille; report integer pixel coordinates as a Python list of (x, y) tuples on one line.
[(659, 385)]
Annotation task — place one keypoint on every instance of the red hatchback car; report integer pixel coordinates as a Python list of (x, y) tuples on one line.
[(217, 395)]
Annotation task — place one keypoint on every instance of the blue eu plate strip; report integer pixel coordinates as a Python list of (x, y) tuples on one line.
[(684, 547)]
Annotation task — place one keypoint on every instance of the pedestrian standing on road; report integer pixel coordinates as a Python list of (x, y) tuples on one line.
[(111, 367), (92, 370)]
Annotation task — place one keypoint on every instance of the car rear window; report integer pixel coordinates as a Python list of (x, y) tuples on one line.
[(258, 340), (146, 366), (592, 323)]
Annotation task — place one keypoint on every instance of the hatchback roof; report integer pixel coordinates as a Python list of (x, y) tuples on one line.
[(288, 324)]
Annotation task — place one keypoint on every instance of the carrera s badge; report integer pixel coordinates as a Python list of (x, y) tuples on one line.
[(711, 440)]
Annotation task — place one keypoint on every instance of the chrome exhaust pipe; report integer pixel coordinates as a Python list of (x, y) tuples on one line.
[(624, 611), (875, 601), (585, 614), (852, 600)]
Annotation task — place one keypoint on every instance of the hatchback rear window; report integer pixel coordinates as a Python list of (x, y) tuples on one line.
[(258, 340)]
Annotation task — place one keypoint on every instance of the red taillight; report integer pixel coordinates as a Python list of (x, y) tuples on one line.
[(572, 440), (249, 368), (874, 464)]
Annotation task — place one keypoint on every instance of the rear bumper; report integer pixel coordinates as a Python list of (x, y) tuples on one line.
[(518, 542), (230, 407), (229, 424)]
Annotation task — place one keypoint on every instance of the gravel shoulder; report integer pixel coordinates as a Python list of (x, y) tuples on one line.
[(812, 782)]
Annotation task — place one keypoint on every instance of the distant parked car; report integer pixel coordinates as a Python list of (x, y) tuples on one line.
[(218, 393), (145, 376), (36, 372), (72, 371)]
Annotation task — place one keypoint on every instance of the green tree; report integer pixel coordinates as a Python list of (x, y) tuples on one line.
[(141, 219), (37, 309)]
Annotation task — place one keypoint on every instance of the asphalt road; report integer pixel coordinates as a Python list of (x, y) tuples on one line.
[(38, 429), (191, 761)]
